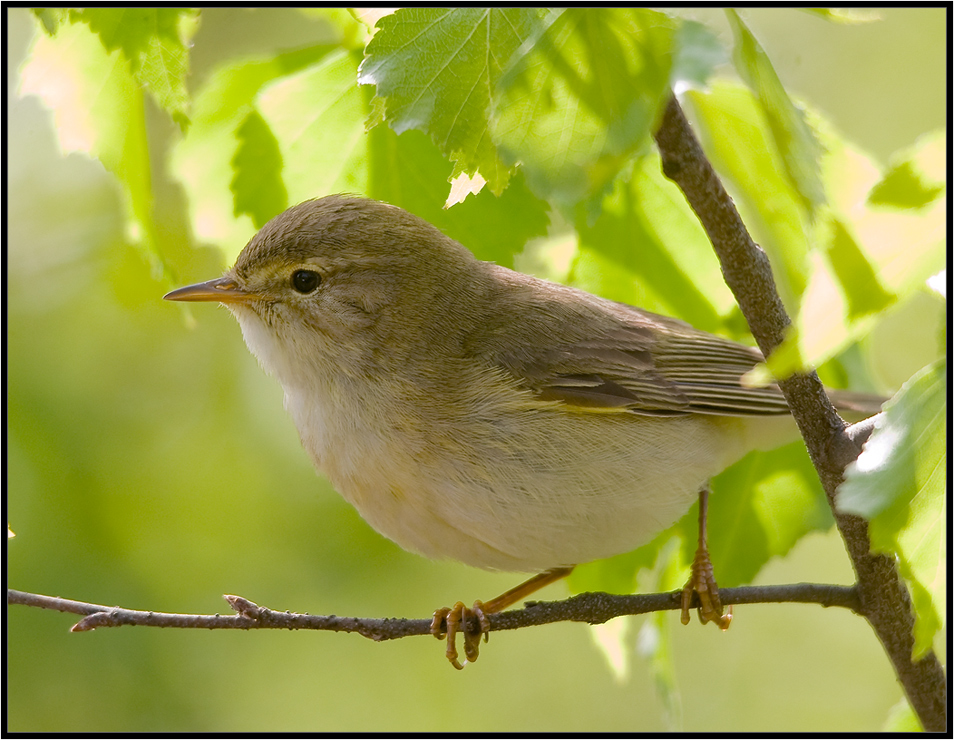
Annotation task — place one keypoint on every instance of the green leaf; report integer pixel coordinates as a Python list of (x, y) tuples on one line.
[(330, 152), (616, 575), (154, 41), (437, 68), (698, 52), (369, 16), (906, 246), (900, 460), (905, 339), (844, 15), (98, 111), (202, 160), (759, 508), (612, 639), (257, 184), (793, 138), (889, 253), (916, 178), (738, 143), (898, 484), (863, 292), (496, 229), (785, 359), (51, 18), (902, 718), (409, 171), (619, 574), (577, 104), (647, 229), (903, 187), (787, 496), (902, 247), (352, 31), (317, 116)]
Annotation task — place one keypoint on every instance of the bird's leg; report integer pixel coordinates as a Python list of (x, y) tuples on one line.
[(702, 581), (448, 621)]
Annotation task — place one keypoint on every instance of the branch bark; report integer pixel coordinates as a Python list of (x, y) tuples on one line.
[(592, 608), (885, 601)]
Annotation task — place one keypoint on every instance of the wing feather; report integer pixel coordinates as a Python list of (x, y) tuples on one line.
[(600, 355)]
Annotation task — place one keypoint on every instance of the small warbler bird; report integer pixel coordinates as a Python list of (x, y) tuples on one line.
[(472, 412)]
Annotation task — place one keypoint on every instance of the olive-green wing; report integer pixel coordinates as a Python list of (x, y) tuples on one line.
[(613, 357)]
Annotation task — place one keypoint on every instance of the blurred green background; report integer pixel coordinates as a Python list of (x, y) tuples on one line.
[(150, 465)]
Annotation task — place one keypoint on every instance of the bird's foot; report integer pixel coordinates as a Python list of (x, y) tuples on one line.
[(448, 621), (702, 582)]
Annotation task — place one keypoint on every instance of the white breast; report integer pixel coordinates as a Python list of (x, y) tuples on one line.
[(493, 483)]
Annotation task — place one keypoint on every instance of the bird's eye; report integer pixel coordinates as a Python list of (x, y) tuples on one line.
[(305, 281)]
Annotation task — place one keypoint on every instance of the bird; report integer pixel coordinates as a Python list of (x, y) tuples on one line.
[(475, 413)]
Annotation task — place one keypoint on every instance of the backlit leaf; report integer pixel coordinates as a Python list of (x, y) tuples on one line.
[(437, 69), (98, 110), (902, 718), (154, 41), (758, 509), (845, 15), (317, 116), (916, 178), (580, 101), (257, 184), (875, 256), (739, 144), (898, 484), (698, 53), (409, 171), (794, 140), (202, 160), (650, 244), (863, 292), (51, 18)]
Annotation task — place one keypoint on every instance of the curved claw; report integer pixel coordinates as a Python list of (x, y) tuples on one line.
[(447, 621), (702, 582), (438, 621), (453, 617)]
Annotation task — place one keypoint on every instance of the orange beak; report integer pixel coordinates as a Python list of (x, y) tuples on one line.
[(223, 290)]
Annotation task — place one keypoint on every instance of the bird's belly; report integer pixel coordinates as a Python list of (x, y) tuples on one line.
[(563, 490)]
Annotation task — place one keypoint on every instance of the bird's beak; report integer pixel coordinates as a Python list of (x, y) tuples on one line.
[(223, 290)]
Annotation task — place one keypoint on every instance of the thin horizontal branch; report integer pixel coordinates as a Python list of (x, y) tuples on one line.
[(592, 608)]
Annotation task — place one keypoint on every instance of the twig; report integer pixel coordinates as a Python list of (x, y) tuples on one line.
[(592, 608), (885, 601)]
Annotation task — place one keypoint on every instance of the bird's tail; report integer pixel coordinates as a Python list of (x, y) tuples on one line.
[(860, 405)]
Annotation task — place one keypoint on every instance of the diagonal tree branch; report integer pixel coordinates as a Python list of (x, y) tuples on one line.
[(885, 601), (592, 608)]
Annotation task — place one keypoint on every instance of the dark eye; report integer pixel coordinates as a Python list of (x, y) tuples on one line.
[(305, 281)]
